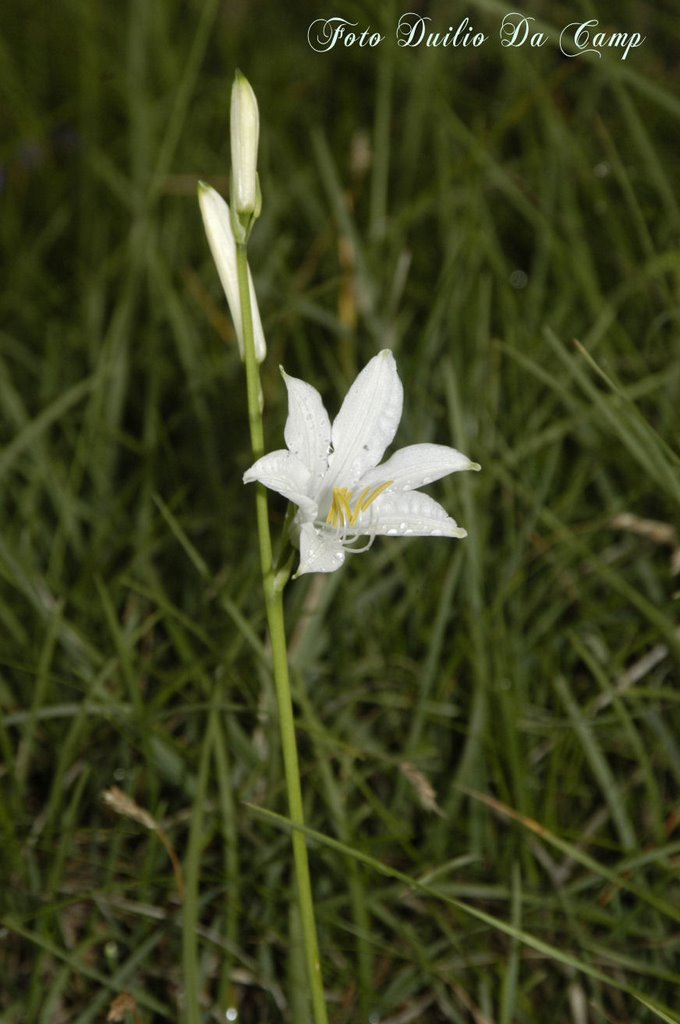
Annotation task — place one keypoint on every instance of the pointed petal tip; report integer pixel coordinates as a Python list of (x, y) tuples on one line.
[(474, 466), (206, 194), (215, 213)]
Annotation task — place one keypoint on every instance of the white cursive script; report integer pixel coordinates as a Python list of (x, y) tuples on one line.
[(578, 38), (324, 33), (412, 31), (515, 31)]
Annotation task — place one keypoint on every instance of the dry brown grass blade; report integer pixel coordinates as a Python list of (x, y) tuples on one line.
[(124, 805)]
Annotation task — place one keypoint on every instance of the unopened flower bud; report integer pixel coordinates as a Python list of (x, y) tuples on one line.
[(245, 130), (217, 223)]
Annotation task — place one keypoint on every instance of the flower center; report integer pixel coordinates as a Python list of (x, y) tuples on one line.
[(343, 513)]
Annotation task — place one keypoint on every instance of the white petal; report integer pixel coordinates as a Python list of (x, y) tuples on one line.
[(409, 514), (217, 224), (308, 428), (287, 475), (367, 421), (416, 466), (320, 550)]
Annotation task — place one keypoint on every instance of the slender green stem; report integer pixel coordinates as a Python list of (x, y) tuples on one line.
[(277, 633), (190, 957)]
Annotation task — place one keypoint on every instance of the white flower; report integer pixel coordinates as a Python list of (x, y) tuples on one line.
[(217, 224), (332, 473), (245, 130)]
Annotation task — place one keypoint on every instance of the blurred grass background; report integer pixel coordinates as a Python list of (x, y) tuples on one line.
[(494, 722)]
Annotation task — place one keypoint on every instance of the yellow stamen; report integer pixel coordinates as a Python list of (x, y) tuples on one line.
[(341, 511)]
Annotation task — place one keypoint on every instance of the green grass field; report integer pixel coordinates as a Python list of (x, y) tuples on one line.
[(489, 728)]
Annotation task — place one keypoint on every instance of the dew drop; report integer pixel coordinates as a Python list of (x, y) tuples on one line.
[(436, 533), (392, 532), (231, 1014), (402, 526)]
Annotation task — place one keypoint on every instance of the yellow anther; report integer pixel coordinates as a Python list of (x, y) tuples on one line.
[(366, 498), (341, 512)]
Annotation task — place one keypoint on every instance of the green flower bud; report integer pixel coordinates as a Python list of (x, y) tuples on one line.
[(245, 130)]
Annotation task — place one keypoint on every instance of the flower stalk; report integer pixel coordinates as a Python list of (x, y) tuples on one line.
[(275, 620)]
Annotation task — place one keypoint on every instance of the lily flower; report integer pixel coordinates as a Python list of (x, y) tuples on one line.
[(217, 224), (332, 474)]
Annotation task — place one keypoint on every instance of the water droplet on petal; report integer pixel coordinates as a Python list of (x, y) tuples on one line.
[(435, 533), (402, 526), (392, 532)]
